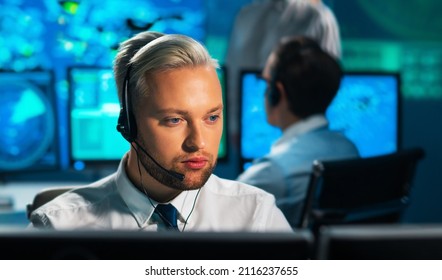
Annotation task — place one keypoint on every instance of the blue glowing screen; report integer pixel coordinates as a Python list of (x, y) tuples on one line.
[(366, 110), (93, 113), (28, 138), (52, 34)]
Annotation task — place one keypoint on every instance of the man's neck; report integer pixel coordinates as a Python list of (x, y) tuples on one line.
[(288, 120), (143, 181)]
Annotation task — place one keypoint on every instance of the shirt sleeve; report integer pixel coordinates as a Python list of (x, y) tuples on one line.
[(277, 221)]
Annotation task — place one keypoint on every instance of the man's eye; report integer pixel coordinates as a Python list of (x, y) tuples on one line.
[(213, 118), (174, 120)]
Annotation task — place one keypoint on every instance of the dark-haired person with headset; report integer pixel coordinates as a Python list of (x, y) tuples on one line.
[(302, 80), (172, 115)]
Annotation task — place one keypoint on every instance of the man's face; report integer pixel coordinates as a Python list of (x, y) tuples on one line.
[(180, 125)]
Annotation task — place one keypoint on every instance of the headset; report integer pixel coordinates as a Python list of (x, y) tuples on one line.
[(127, 125)]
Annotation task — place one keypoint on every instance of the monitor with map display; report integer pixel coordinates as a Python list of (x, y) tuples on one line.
[(28, 138)]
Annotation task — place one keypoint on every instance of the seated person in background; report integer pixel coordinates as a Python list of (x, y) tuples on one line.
[(260, 25), (172, 115), (302, 81)]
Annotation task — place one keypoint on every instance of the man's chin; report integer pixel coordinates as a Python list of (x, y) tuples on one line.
[(195, 180)]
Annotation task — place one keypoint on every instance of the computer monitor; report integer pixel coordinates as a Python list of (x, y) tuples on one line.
[(28, 117), (142, 245), (93, 114), (366, 109), (380, 242)]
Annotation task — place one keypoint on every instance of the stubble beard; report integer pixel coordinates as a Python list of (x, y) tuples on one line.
[(189, 182)]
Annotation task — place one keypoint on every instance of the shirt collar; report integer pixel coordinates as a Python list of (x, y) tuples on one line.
[(302, 127), (139, 204)]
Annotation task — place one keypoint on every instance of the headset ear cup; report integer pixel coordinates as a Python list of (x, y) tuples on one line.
[(133, 126), (123, 126), (126, 121), (127, 125)]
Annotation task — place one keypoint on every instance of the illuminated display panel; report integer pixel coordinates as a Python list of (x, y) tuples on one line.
[(28, 138), (366, 109), (93, 114)]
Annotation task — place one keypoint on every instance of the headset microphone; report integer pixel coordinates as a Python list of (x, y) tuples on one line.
[(174, 174)]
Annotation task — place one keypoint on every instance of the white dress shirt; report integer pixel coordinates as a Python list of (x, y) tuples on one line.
[(115, 203)]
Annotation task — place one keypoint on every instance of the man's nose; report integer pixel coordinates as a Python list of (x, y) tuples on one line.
[(195, 140)]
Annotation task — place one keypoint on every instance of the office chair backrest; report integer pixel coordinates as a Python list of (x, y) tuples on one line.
[(44, 196), (362, 190)]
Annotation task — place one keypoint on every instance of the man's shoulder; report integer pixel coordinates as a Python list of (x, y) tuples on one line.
[(323, 135), (327, 143), (78, 198), (299, 152), (227, 187)]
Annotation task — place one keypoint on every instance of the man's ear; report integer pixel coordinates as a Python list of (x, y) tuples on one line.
[(282, 93)]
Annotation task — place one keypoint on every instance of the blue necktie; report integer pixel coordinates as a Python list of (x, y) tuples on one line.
[(168, 214)]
